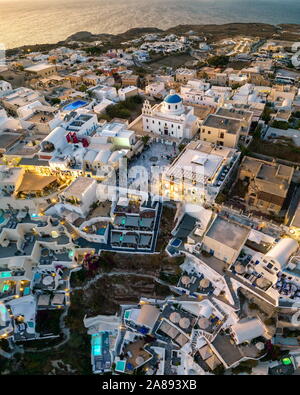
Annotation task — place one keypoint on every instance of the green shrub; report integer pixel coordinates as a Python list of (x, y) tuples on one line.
[(217, 61)]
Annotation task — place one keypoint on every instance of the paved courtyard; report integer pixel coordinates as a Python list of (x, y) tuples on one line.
[(156, 154), (152, 161)]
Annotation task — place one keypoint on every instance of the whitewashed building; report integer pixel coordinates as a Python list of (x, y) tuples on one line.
[(170, 120)]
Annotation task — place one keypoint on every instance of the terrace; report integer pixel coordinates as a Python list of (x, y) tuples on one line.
[(23, 148), (48, 301), (286, 288), (49, 257), (41, 117), (130, 207), (34, 185), (50, 278), (244, 267), (131, 239), (102, 210), (211, 325), (232, 353), (154, 155), (23, 310), (98, 228), (182, 318), (211, 261), (45, 281), (136, 354), (8, 288), (10, 248), (58, 237), (195, 284), (145, 240), (127, 240), (170, 332), (144, 221)]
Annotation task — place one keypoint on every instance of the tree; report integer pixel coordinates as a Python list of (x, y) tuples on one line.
[(117, 111), (221, 198), (105, 117), (218, 61), (257, 132), (297, 114), (83, 88), (266, 115), (280, 125), (244, 150), (235, 86), (55, 100), (145, 139)]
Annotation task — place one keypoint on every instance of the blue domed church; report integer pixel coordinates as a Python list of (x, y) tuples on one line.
[(169, 121)]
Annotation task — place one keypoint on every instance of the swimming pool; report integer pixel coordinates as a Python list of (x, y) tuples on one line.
[(5, 274), (176, 243), (2, 218), (97, 345), (101, 231), (121, 366), (5, 288), (75, 105), (127, 314)]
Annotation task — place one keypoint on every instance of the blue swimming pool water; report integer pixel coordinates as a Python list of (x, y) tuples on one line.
[(75, 105), (176, 243), (99, 341), (120, 366), (2, 219)]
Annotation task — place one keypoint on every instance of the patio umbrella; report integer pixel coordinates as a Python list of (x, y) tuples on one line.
[(5, 243), (139, 360), (172, 332), (203, 323), (175, 317), (184, 323), (261, 282), (260, 346), (47, 280), (185, 280), (205, 352), (212, 362), (204, 283), (240, 269)]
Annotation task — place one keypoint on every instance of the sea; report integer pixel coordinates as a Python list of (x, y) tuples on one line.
[(28, 22)]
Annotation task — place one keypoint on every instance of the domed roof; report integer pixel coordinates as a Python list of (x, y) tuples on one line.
[(173, 99)]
